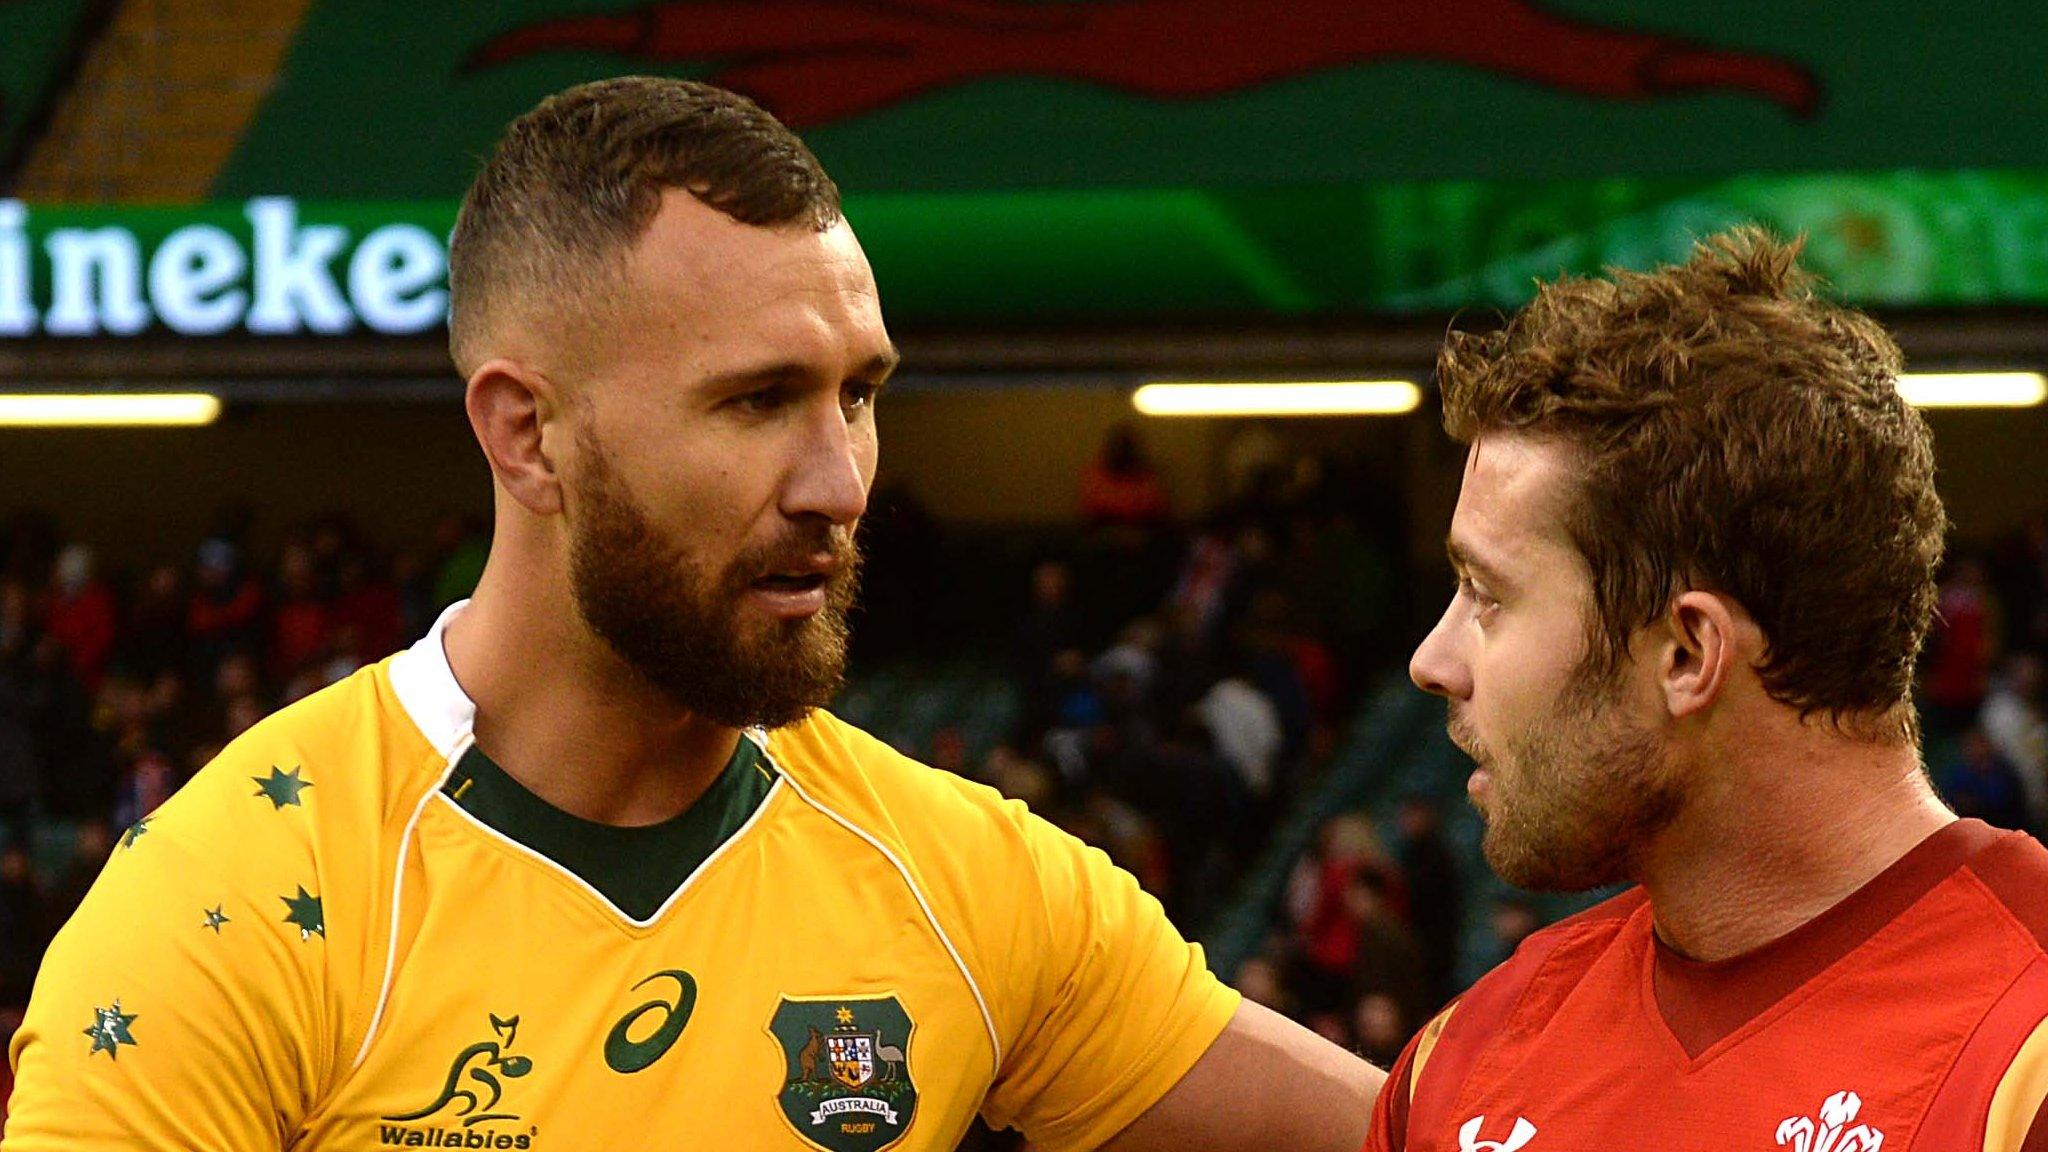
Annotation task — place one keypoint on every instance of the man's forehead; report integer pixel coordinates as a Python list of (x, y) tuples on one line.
[(705, 277), (1513, 498)]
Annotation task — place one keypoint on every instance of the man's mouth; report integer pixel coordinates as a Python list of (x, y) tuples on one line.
[(793, 581)]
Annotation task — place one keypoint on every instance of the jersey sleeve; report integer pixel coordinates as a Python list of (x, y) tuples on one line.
[(1389, 1130), (2017, 1119), (1108, 1007), (181, 1006)]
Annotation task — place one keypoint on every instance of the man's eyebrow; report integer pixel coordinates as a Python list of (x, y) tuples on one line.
[(876, 367), (1464, 561)]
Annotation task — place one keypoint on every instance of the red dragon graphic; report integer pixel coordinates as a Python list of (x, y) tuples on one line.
[(817, 61)]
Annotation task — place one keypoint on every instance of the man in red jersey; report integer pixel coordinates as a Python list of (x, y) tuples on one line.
[(1696, 548)]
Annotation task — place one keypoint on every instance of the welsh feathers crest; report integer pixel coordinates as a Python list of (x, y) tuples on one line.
[(1833, 1134)]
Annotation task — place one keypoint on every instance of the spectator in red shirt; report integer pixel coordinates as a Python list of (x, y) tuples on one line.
[(1119, 487), (300, 626), (1962, 648), (80, 615), (226, 603)]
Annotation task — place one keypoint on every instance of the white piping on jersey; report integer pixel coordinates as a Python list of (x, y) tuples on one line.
[(601, 898), (994, 1042), (397, 894)]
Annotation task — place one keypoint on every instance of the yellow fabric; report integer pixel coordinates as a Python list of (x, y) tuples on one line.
[(1431, 1033), (2020, 1093), (516, 1006)]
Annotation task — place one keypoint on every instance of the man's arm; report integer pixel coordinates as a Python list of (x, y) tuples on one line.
[(1266, 1083), (181, 1007)]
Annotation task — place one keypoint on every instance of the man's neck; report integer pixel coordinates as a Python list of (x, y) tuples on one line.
[(564, 716), (1779, 835)]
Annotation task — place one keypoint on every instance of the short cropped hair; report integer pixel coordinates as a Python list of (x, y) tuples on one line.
[(575, 182), (1734, 432)]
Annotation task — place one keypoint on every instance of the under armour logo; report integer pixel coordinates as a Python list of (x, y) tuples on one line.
[(1833, 1133), (1469, 1141)]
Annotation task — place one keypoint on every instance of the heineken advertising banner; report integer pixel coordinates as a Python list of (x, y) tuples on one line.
[(274, 266), (1047, 159)]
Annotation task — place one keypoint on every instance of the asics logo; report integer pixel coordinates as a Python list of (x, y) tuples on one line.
[(624, 1054)]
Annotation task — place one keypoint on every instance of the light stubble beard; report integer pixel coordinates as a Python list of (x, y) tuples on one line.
[(1574, 801), (680, 627)]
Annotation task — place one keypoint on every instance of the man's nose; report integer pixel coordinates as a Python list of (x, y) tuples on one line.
[(828, 478), (1437, 666)]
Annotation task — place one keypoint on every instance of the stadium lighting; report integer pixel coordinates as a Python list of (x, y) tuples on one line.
[(107, 409), (1290, 398), (1973, 389)]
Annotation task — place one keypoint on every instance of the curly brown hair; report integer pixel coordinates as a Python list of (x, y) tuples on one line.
[(574, 183), (1732, 431)]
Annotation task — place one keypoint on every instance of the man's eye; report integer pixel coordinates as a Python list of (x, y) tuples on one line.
[(760, 400), (1482, 604), (859, 395)]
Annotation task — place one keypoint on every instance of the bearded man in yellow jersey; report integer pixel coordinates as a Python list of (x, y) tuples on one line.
[(586, 868)]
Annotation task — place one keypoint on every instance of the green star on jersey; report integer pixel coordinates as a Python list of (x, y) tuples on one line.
[(305, 914), (110, 1030), (215, 918), (281, 788), (134, 832)]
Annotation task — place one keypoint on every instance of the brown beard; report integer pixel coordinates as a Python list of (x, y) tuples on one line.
[(679, 626), (1575, 800)]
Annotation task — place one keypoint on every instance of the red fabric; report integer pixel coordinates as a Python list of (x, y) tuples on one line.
[(1332, 930), (1135, 498), (1703, 1003), (1905, 995), (1390, 1112), (373, 612), (1960, 670), (1320, 680), (85, 625), (206, 617), (299, 634)]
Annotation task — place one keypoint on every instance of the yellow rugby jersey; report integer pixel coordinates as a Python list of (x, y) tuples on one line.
[(353, 931)]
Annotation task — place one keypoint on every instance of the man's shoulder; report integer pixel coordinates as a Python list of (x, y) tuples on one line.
[(2013, 867), (1557, 955), (839, 765), (333, 769)]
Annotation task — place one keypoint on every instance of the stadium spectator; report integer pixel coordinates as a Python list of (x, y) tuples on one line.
[(1049, 627), (1246, 728), (1961, 648), (153, 636), (300, 628), (2013, 722), (21, 769), (1380, 1028), (80, 613), (1436, 895), (21, 922), (1259, 979), (1979, 782), (1120, 488), (224, 612)]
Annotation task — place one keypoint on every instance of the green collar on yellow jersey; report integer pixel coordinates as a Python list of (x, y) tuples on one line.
[(637, 869)]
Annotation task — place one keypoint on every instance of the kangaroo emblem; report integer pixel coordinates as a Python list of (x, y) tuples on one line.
[(807, 1059), (475, 1108)]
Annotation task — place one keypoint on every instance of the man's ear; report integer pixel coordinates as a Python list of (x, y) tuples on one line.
[(1703, 640), (510, 407)]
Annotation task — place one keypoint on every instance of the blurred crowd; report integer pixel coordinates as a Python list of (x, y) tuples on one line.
[(1981, 684), (116, 687), (1179, 684)]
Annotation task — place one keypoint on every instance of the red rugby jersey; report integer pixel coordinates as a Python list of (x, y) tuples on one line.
[(1910, 1016)]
